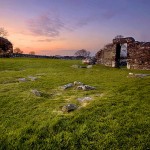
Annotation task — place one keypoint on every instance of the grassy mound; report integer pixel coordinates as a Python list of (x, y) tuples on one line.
[(117, 117)]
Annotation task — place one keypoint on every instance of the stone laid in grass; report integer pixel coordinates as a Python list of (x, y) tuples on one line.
[(84, 99), (85, 87), (36, 92), (32, 78), (69, 85), (132, 75), (29, 78), (78, 83), (22, 79), (89, 66), (69, 108), (142, 75)]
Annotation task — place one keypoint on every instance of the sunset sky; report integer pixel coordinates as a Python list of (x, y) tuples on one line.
[(52, 27)]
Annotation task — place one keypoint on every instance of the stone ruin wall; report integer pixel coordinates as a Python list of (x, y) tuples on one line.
[(106, 56), (138, 54)]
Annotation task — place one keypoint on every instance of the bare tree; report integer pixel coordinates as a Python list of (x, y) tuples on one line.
[(32, 53), (83, 53), (18, 51), (3, 32)]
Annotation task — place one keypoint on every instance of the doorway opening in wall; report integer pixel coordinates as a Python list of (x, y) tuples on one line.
[(121, 55)]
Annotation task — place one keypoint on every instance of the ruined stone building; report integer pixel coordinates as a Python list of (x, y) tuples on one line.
[(6, 47), (138, 54)]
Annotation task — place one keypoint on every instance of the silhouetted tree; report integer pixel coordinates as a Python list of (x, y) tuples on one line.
[(18, 51), (6, 47), (32, 53), (83, 53), (3, 32)]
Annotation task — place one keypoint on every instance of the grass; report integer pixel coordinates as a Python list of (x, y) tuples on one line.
[(117, 118)]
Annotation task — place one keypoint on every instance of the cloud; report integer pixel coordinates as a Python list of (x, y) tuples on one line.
[(109, 14), (46, 40), (46, 25), (86, 20), (101, 16)]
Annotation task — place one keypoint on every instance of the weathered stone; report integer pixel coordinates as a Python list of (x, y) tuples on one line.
[(80, 87), (89, 61), (141, 75), (78, 83), (69, 107), (138, 54), (138, 75), (88, 87), (32, 78), (131, 74), (123, 40), (36, 92), (85, 87), (84, 99), (22, 79), (89, 66), (69, 85)]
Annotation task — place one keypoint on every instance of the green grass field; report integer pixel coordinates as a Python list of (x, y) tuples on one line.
[(117, 117)]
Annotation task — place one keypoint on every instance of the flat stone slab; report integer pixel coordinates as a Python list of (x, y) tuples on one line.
[(36, 92), (84, 99), (138, 75), (22, 79), (89, 66), (142, 75), (69, 85), (32, 78), (85, 87), (78, 83), (69, 108)]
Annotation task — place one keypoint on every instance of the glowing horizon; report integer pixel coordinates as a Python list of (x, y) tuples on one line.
[(64, 26)]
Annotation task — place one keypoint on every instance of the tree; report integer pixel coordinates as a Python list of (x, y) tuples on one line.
[(6, 47), (3, 32), (32, 53), (1, 51), (18, 51), (83, 53)]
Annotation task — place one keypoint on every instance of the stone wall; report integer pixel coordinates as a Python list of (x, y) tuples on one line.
[(138, 54), (106, 56)]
